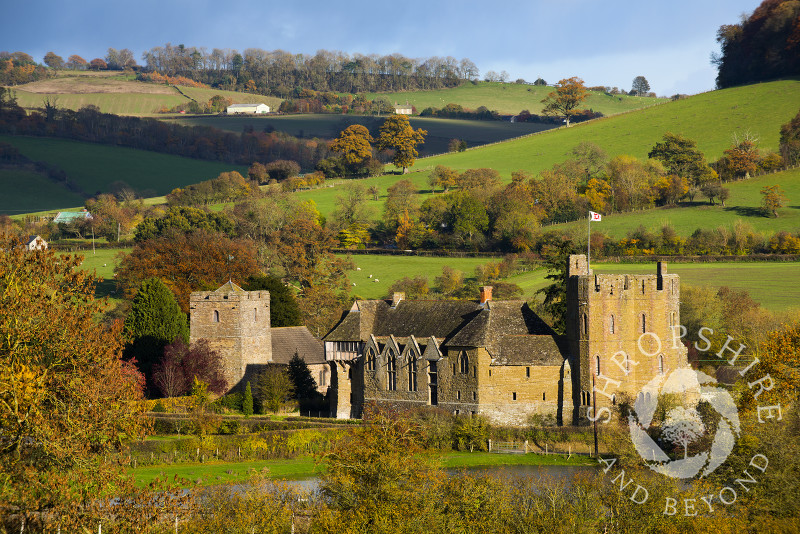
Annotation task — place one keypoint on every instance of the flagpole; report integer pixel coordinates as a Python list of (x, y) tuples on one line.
[(588, 241)]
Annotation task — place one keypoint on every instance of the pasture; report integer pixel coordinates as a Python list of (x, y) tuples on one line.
[(120, 95), (711, 119), (94, 168), (27, 190), (326, 126), (510, 98)]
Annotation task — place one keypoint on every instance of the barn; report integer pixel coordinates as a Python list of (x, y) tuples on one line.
[(247, 109)]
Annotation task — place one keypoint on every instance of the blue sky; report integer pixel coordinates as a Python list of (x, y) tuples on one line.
[(605, 43)]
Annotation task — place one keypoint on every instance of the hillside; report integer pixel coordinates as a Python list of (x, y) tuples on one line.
[(94, 168), (710, 118), (326, 126), (510, 98), (121, 95)]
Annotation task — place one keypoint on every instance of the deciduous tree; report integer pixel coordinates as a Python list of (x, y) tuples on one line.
[(680, 156), (790, 141), (640, 86), (67, 398), (182, 365), (772, 199), (569, 94), (54, 61), (355, 145), (274, 387), (397, 134)]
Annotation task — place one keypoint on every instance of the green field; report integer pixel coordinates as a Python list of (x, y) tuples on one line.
[(26, 191), (776, 285), (711, 119), (510, 98), (94, 167), (118, 94), (440, 131), (385, 270), (743, 204)]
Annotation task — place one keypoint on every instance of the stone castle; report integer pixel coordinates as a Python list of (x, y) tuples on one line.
[(499, 359), (236, 324)]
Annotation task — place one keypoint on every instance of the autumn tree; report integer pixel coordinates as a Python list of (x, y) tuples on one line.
[(98, 64), (680, 156), (772, 199), (182, 364), (76, 62), (182, 219), (274, 387), (740, 160), (401, 198), (790, 141), (54, 61), (67, 398), (155, 321), (442, 177), (640, 86), (569, 94), (397, 134), (351, 208), (355, 146), (187, 262)]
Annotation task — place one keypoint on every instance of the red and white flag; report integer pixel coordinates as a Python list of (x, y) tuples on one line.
[(594, 216)]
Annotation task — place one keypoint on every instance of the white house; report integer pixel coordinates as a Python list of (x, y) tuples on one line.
[(249, 109), (401, 109), (35, 242)]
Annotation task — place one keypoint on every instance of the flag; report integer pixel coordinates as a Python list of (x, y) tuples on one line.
[(594, 216)]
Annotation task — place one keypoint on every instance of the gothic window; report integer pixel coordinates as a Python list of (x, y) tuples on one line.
[(391, 371), (412, 373), (464, 361), (644, 323), (215, 316), (611, 324), (661, 364), (370, 360)]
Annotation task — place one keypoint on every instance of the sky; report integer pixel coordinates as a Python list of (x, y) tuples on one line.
[(602, 42)]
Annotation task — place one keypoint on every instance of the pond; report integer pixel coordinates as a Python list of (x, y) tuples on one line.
[(507, 472)]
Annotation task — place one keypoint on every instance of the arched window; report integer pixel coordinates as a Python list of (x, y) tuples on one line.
[(215, 316), (412, 373), (391, 372), (464, 361), (611, 324), (597, 365), (661, 364), (370, 360)]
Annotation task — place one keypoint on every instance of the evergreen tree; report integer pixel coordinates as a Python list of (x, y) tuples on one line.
[(305, 387), (247, 403), (155, 321), (283, 306)]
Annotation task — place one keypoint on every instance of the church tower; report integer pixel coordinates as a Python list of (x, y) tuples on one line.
[(620, 329), (236, 324)]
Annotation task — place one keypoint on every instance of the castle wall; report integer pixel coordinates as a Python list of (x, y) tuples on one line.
[(236, 324)]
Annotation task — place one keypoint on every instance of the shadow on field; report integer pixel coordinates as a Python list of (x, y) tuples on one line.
[(746, 211), (106, 288)]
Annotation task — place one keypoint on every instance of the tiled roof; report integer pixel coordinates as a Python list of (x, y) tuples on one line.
[(228, 287), (287, 340), (529, 350)]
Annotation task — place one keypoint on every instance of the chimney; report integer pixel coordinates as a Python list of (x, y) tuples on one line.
[(397, 297), (486, 294)]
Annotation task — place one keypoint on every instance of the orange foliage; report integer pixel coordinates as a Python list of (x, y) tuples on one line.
[(155, 77)]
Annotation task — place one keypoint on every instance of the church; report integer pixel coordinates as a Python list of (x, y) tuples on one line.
[(498, 359)]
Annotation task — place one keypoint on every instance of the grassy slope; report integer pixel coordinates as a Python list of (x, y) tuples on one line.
[(25, 191), (440, 131), (93, 167), (711, 119), (509, 98), (122, 96), (743, 205)]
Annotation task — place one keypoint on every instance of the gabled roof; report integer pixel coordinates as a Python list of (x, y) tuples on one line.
[(228, 287), (287, 340), (456, 323), (69, 216)]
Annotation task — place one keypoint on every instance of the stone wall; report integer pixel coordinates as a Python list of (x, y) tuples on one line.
[(236, 324)]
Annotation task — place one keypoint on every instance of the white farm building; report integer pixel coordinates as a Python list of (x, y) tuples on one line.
[(249, 109)]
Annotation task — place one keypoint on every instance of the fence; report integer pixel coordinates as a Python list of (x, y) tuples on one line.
[(524, 447)]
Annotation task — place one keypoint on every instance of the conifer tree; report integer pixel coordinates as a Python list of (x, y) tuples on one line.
[(155, 321), (305, 387), (247, 403)]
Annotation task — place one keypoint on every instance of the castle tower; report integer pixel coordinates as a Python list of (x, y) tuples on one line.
[(620, 331), (236, 324)]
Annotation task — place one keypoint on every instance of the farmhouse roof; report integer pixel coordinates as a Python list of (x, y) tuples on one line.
[(287, 340), (69, 216), (246, 105), (457, 323)]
